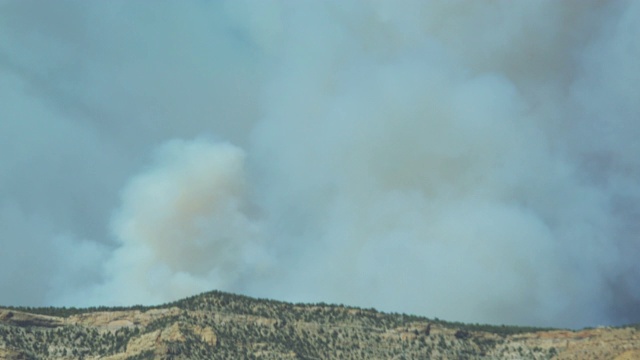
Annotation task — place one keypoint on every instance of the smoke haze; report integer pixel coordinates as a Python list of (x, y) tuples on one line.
[(474, 161)]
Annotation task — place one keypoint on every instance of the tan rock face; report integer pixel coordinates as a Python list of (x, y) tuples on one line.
[(137, 345), (207, 335)]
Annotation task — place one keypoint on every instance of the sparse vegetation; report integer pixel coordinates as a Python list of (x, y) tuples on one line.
[(219, 325)]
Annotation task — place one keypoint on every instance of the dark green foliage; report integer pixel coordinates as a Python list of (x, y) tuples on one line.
[(503, 330), (70, 311), (161, 323), (145, 355), (77, 341)]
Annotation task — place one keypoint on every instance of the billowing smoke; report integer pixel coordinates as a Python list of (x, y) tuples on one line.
[(195, 196), (474, 161)]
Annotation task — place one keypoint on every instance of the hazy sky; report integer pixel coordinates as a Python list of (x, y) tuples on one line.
[(468, 160)]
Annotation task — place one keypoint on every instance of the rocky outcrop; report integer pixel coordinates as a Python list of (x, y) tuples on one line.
[(160, 342), (206, 334), (113, 320), (23, 319)]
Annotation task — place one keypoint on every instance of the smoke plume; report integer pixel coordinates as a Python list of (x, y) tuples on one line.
[(472, 161)]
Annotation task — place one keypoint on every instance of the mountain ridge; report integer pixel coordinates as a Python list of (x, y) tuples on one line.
[(220, 325)]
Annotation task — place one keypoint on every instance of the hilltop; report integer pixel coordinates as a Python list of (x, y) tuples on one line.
[(218, 325)]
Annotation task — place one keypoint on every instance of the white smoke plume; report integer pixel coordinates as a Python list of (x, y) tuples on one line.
[(182, 228), (474, 161)]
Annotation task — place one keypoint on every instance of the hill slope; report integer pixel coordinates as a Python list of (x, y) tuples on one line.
[(219, 325)]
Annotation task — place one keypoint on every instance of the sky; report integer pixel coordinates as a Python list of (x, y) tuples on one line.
[(470, 160)]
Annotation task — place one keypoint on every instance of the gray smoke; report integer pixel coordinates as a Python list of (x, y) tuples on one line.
[(474, 161)]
